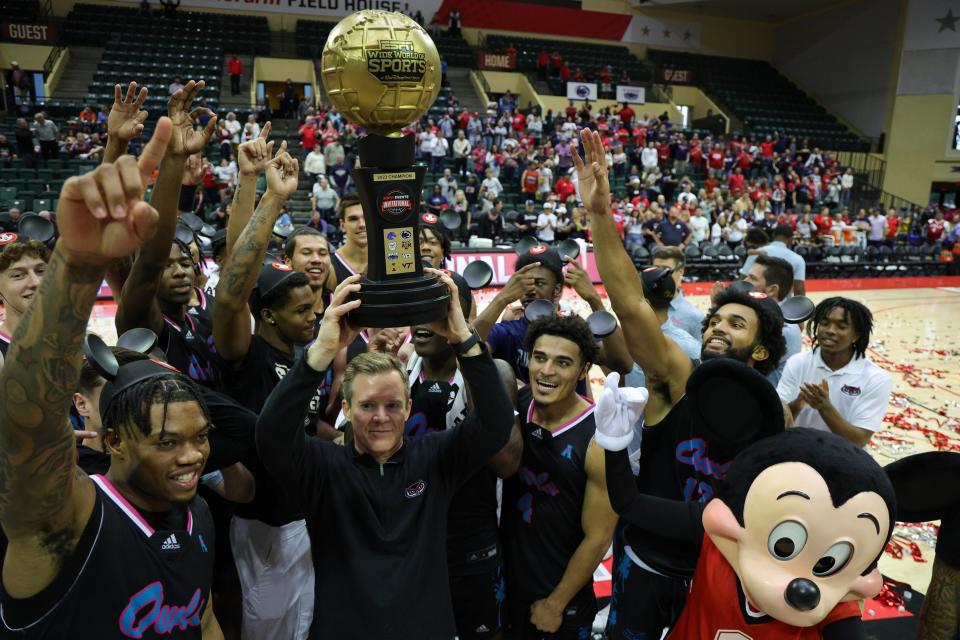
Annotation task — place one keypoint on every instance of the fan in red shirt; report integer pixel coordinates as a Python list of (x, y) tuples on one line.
[(663, 152), (564, 188), (308, 134), (626, 115), (696, 154), (766, 148), (715, 159), (824, 222), (530, 179), (736, 180), (519, 122), (935, 228)]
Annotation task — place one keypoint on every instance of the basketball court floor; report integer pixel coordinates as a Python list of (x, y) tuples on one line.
[(917, 339)]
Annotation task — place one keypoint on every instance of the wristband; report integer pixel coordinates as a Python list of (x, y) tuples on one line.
[(461, 348)]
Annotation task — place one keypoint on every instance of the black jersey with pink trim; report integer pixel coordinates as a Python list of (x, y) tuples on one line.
[(131, 575), (543, 503), (342, 268), (188, 346), (4, 344)]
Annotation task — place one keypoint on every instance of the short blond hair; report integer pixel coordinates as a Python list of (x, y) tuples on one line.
[(371, 364)]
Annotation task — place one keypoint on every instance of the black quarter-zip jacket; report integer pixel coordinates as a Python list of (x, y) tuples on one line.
[(379, 531)]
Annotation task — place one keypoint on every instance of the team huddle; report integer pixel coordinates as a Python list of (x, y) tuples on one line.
[(451, 479)]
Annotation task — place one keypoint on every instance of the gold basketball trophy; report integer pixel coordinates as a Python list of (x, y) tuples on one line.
[(382, 72)]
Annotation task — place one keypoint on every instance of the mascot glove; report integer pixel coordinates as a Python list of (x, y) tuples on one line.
[(618, 410)]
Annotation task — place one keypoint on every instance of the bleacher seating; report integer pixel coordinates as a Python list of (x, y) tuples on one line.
[(762, 99), (154, 62), (312, 35), (586, 57), (93, 25), (26, 10)]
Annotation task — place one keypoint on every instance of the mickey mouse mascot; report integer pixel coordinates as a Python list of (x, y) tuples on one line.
[(785, 549)]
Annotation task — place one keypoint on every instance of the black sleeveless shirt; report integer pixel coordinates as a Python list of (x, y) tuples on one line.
[(543, 503), (125, 578)]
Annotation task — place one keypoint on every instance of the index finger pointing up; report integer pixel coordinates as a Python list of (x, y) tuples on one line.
[(265, 131), (153, 151)]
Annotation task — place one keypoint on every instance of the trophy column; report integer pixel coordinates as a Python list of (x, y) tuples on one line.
[(395, 291)]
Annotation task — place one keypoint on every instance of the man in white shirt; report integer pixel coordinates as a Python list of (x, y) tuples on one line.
[(491, 185), (836, 387), (878, 228), (699, 226), (438, 153), (315, 164), (648, 157), (448, 185), (546, 223), (461, 153)]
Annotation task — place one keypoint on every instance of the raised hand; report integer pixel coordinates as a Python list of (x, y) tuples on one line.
[(101, 215), (283, 173), (618, 410), (519, 282), (577, 278), (186, 140), (126, 118), (592, 173), (335, 332), (454, 327), (253, 155)]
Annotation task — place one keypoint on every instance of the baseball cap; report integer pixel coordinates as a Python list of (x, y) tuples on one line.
[(561, 209), (530, 203), (271, 276), (548, 205)]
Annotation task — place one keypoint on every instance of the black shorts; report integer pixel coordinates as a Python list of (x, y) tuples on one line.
[(478, 603), (577, 622), (643, 603)]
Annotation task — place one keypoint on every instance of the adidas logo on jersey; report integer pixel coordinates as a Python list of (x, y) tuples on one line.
[(482, 629), (189, 335), (435, 388), (170, 544), (537, 433)]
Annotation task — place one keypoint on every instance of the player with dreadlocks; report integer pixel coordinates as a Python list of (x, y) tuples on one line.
[(835, 387), (128, 554)]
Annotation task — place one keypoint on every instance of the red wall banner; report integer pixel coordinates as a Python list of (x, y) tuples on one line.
[(28, 32), (537, 18)]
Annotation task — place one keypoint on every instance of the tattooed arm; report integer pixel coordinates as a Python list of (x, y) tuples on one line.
[(45, 500), (231, 313), (252, 158), (137, 306)]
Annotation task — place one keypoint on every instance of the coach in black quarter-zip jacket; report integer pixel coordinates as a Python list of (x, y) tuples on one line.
[(376, 511)]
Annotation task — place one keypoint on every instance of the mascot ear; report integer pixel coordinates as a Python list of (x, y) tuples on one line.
[(865, 587), (719, 521)]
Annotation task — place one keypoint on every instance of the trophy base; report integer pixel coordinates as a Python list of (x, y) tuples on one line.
[(401, 303)]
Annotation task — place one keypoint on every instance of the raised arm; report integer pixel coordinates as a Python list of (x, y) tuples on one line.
[(598, 521), (281, 438), (125, 121), (252, 159), (614, 354), (659, 358), (45, 501), (231, 313), (138, 302)]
